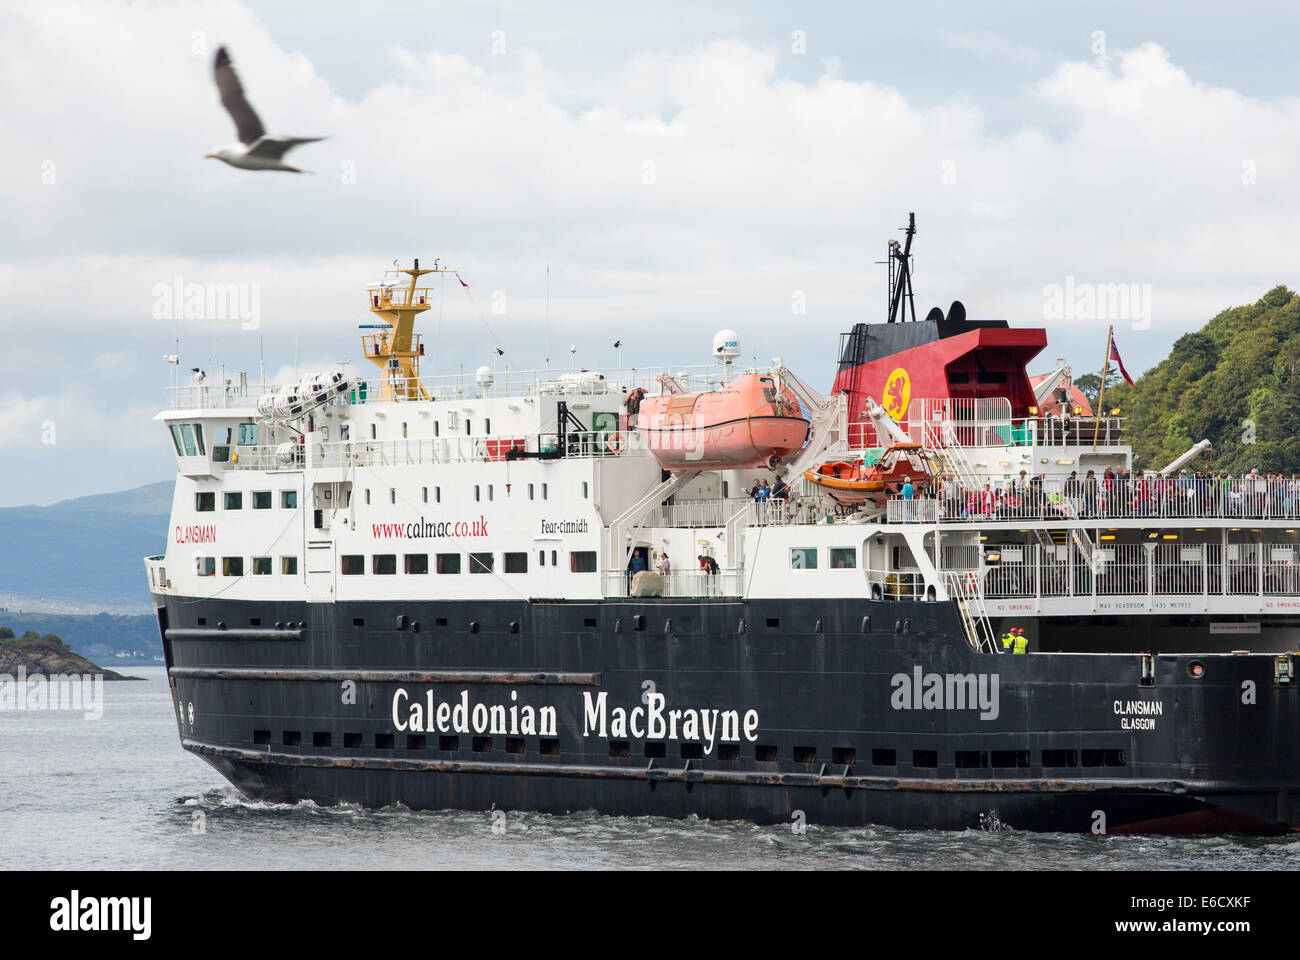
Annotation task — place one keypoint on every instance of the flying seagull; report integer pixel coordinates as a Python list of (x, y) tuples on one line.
[(256, 150)]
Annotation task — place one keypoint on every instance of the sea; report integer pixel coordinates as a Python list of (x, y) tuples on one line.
[(119, 793)]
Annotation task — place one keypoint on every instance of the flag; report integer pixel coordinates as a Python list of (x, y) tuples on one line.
[(1114, 355), (462, 282)]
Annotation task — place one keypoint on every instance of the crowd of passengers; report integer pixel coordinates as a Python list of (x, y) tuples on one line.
[(1116, 492)]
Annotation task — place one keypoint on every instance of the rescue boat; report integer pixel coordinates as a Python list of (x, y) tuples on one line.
[(751, 422), (854, 483)]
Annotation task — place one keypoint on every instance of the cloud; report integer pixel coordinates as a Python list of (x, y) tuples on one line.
[(691, 190)]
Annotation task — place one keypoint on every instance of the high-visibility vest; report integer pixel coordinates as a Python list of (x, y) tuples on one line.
[(1022, 644), (1007, 640)]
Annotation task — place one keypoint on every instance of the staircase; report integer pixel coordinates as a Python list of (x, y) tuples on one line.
[(629, 521), (974, 616), (949, 459)]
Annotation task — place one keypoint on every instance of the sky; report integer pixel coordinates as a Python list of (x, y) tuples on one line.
[(665, 171)]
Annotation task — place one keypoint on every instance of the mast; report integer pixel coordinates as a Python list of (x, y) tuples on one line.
[(396, 349), (900, 272)]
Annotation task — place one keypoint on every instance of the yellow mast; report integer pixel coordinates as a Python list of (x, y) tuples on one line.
[(397, 350)]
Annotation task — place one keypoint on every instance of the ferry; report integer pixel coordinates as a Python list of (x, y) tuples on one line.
[(525, 591)]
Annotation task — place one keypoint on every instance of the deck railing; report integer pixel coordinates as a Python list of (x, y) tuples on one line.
[(1245, 498)]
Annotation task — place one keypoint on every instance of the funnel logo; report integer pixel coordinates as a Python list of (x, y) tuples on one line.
[(898, 391)]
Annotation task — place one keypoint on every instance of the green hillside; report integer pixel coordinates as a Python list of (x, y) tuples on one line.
[(1235, 381)]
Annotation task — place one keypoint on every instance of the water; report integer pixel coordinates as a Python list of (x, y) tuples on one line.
[(121, 793)]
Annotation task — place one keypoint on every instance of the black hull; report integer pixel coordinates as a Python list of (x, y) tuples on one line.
[(834, 742)]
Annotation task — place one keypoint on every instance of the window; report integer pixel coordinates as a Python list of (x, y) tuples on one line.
[(289, 566), (584, 489), (844, 558), (490, 494), (384, 564), (436, 431), (530, 486), (187, 437), (234, 500), (417, 563), (803, 558), (480, 563), (476, 492), (232, 566), (372, 431), (437, 494), (404, 433), (541, 558), (553, 554), (247, 434), (544, 493), (261, 566), (205, 502), (487, 425), (261, 499), (289, 499), (392, 495), (198, 435), (448, 563), (352, 565), (582, 561), (515, 562), (205, 566), (367, 496), (221, 454), (467, 423), (424, 494), (345, 431), (176, 438)]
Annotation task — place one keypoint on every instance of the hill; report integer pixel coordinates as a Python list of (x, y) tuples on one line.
[(84, 555), (1236, 381)]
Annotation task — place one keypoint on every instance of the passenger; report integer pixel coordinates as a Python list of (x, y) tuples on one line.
[(780, 490), (633, 404)]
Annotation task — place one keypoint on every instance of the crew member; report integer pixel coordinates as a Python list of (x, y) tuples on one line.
[(1022, 642), (1008, 639)]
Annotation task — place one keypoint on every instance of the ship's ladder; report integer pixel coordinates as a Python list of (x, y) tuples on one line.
[(965, 591), (1078, 535), (949, 459)]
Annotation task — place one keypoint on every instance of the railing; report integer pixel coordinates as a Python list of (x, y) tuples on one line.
[(691, 583), (772, 512), (1121, 570), (497, 384), (390, 453), (992, 431), (1117, 499), (908, 510)]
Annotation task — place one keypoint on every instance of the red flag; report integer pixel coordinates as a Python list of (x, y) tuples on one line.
[(464, 284), (1114, 355)]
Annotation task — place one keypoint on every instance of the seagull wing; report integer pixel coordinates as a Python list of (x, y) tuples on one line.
[(274, 148), (247, 125)]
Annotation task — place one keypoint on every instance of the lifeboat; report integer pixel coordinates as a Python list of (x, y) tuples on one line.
[(854, 483), (748, 423)]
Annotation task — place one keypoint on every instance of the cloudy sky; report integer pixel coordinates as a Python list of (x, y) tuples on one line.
[(681, 167)]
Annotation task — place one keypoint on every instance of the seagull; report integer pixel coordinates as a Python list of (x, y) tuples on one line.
[(256, 149)]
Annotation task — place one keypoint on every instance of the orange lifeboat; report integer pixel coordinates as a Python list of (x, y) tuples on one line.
[(855, 483), (748, 423)]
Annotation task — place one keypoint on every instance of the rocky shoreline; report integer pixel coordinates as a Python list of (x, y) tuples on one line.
[(47, 656)]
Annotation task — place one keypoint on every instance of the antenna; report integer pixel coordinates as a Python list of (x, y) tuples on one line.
[(548, 311)]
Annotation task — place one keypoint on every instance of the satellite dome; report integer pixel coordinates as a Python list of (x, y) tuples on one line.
[(726, 345), (483, 375)]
